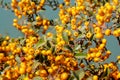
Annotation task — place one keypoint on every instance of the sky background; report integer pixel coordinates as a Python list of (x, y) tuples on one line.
[(6, 28)]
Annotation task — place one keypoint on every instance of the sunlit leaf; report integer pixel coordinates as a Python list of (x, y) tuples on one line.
[(68, 48), (36, 64), (37, 78), (77, 47), (71, 78), (80, 55), (106, 73), (41, 42), (21, 77), (79, 74), (17, 58), (48, 44), (118, 25), (90, 78), (119, 62), (65, 36)]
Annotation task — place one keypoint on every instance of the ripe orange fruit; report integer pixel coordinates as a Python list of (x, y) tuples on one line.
[(43, 73), (104, 41), (97, 29), (115, 33), (99, 35), (64, 76), (50, 70), (95, 77), (107, 32), (22, 70), (88, 35)]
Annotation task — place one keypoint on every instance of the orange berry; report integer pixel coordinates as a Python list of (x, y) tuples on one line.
[(107, 32), (118, 57), (95, 77), (26, 78), (50, 71), (64, 76), (96, 60), (43, 73), (118, 75), (116, 33), (99, 35), (88, 35), (22, 70), (97, 30), (98, 54), (101, 46), (108, 52), (82, 65), (104, 41)]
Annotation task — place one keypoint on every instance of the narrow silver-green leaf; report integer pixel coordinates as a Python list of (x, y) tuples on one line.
[(80, 55), (65, 36), (37, 78), (79, 74)]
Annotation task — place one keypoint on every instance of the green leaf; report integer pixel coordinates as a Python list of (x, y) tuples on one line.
[(36, 64), (17, 58), (92, 37), (71, 78), (68, 48), (118, 61), (48, 44), (80, 55), (41, 42), (106, 73), (65, 36), (21, 77), (37, 78), (90, 78), (118, 25), (77, 47), (53, 49), (79, 74)]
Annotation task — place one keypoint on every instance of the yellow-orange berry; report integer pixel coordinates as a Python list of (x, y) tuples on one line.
[(99, 35), (64, 76), (95, 77), (107, 32)]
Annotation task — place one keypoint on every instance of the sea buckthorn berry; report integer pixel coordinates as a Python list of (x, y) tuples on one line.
[(7, 37), (97, 30), (86, 23), (118, 75), (96, 60), (76, 34), (82, 65), (38, 18), (99, 35), (89, 35), (107, 32), (1, 56), (95, 77), (50, 71), (25, 78), (115, 33), (116, 2), (118, 57), (108, 52), (101, 46), (98, 54), (43, 73), (22, 70), (64, 76), (104, 41)]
